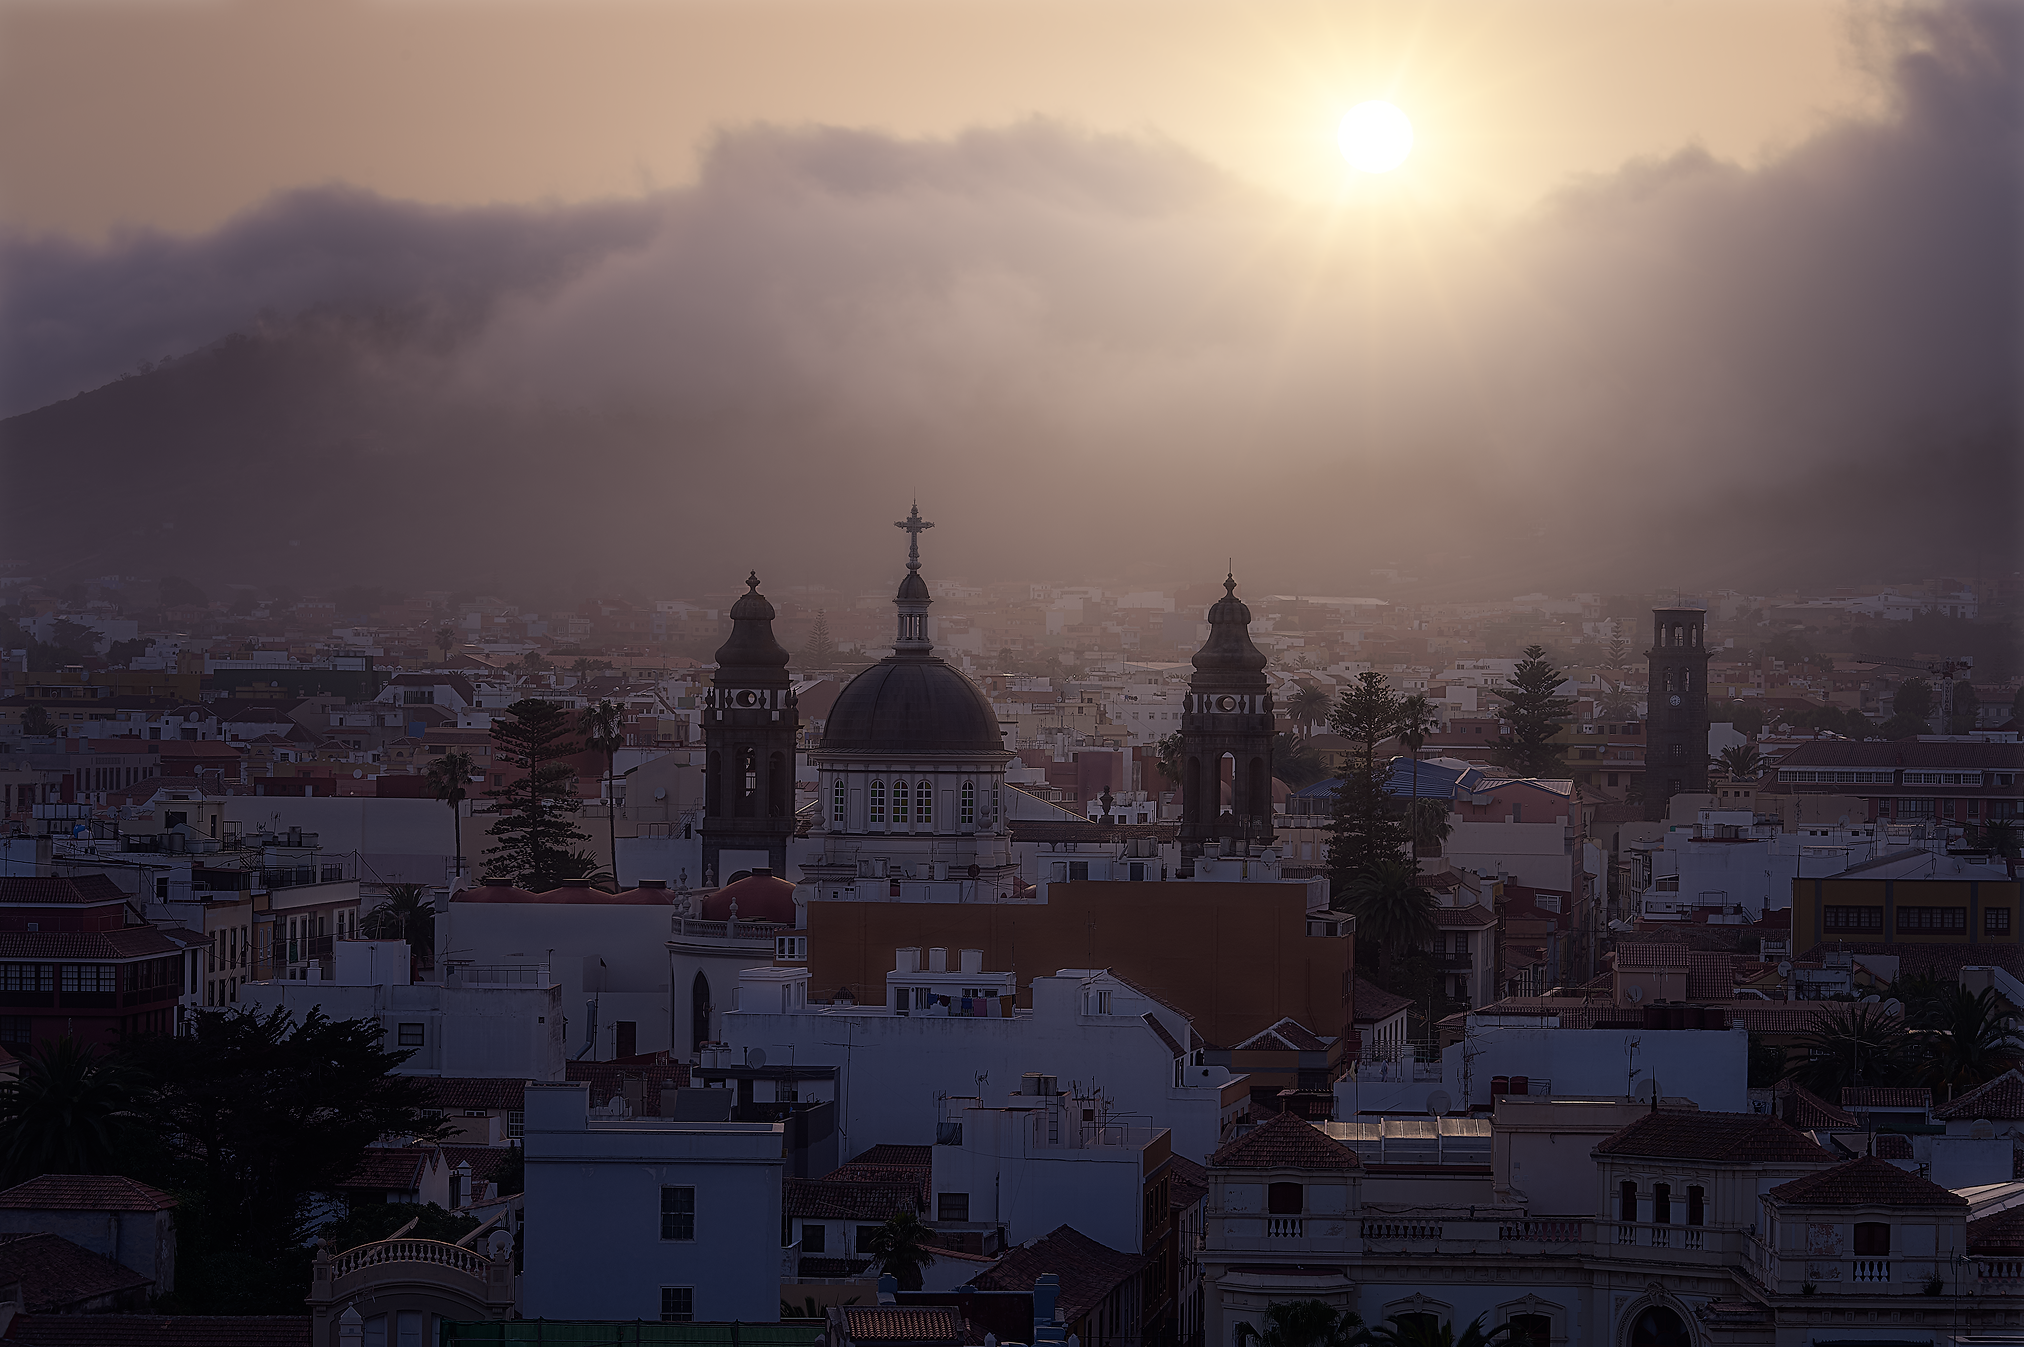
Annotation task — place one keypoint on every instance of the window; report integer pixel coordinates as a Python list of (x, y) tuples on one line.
[(89, 977), (814, 1237), (1662, 1203), (410, 1036), (1872, 1239), (516, 1123), (924, 802), (1697, 1204), (28, 977), (1627, 1201), (878, 802), (790, 948), (836, 801), (1530, 1330), (1996, 921), (866, 1235), (1852, 918), (678, 1304), (969, 815), (1103, 1003), (1920, 920), (16, 1029), (678, 1213), (1284, 1199), (994, 804), (952, 1206), (899, 802)]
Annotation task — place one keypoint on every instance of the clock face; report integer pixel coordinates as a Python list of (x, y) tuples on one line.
[(751, 698), (1676, 699), (1226, 703)]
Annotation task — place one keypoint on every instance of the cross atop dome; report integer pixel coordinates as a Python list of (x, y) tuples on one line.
[(913, 526)]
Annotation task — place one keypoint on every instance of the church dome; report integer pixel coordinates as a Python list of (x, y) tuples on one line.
[(911, 707), (752, 649), (1229, 655), (765, 897)]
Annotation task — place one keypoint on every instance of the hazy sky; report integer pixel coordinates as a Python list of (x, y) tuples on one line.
[(178, 114), (1668, 293)]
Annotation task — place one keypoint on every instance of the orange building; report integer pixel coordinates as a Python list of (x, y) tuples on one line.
[(1236, 957)]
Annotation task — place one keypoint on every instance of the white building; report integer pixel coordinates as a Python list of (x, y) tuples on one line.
[(479, 1021), (1736, 868), (1089, 1028), (648, 1218)]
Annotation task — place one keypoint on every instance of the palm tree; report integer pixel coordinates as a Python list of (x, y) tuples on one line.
[(1416, 721), (1999, 836), (1741, 761), (603, 726), (66, 1113), (1424, 1330), (1391, 908), (1308, 707), (1304, 1323), (903, 1246), (406, 913), (1430, 821), (450, 777), (1970, 1038), (446, 636), (1853, 1043)]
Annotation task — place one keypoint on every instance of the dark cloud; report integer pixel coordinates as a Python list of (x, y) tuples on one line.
[(1094, 351)]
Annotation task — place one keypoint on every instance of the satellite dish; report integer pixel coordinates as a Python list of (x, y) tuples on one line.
[(1438, 1103), (1785, 968), (1982, 1129), (1871, 999), (1893, 1007), (660, 792), (1634, 994), (755, 1056), (1647, 1089)]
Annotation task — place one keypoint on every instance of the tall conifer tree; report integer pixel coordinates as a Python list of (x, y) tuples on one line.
[(1535, 715), (537, 826), (1368, 829)]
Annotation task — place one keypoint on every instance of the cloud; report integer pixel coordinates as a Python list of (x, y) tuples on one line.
[(1095, 350)]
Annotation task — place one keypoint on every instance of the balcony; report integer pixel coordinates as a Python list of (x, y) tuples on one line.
[(1454, 961), (1621, 1236), (1285, 1227)]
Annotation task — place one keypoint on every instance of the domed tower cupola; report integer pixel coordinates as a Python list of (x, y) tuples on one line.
[(1227, 715), (913, 601), (750, 723)]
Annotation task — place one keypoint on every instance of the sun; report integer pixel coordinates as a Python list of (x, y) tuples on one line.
[(1375, 137)]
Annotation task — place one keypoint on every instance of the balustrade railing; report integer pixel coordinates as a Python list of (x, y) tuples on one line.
[(1999, 1274), (1285, 1227), (1399, 1230), (1543, 1232), (434, 1252), (1872, 1269)]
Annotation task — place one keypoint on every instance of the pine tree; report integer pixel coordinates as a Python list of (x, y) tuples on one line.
[(1619, 648), (1535, 716), (537, 823), (1368, 829), (820, 652)]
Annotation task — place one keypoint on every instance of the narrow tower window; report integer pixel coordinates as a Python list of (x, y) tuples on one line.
[(969, 803), (836, 801), (878, 802), (924, 802), (899, 802)]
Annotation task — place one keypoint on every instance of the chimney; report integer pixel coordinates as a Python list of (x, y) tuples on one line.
[(907, 960), (973, 960), (938, 960)]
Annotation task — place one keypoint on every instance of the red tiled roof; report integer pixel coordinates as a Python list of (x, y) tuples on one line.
[(1284, 1142), (60, 890), (913, 1157), (85, 1192), (607, 1079), (903, 1323), (160, 1330), (1651, 954), (1187, 1183), (388, 1169), (2000, 1233), (1464, 918), (1866, 1182), (1886, 1096), (486, 1092), (1089, 1271), (1711, 974), (848, 1200), (1736, 1138), (1374, 1003), (2002, 1099), (55, 1274), (1807, 1111), (134, 942), (910, 1167), (1891, 1146), (1288, 1033), (484, 1160)]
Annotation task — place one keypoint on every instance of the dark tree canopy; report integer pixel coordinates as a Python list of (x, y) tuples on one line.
[(1535, 715), (1368, 828), (535, 835)]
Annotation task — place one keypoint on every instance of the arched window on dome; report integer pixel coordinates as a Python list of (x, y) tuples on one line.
[(969, 815), (899, 802), (878, 802), (836, 801), (924, 802)]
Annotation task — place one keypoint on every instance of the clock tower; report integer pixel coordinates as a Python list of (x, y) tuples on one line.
[(1676, 723), (749, 727), (1227, 714)]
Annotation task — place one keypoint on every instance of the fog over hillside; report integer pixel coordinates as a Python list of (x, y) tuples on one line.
[(1082, 352)]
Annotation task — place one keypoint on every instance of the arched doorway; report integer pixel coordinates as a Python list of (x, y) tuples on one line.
[(1658, 1326), (699, 1013)]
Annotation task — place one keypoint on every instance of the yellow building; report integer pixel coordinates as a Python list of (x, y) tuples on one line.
[(1908, 897)]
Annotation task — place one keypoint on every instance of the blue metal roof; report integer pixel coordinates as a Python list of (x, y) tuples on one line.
[(1435, 781)]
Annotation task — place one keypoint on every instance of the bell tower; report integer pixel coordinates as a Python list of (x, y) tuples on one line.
[(749, 727), (1676, 720), (1228, 712)]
